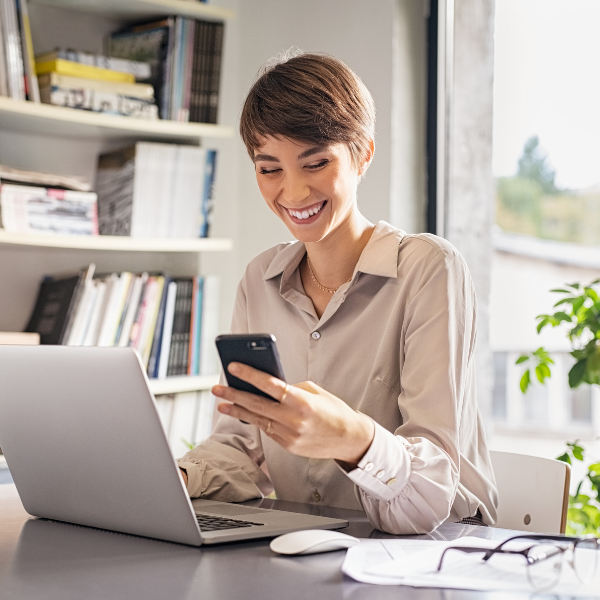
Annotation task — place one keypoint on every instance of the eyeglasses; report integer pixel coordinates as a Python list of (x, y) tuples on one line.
[(544, 559)]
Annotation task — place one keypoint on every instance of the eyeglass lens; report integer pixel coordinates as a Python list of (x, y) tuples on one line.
[(585, 559), (545, 566)]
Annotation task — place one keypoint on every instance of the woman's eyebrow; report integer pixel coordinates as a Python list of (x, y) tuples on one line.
[(265, 157)]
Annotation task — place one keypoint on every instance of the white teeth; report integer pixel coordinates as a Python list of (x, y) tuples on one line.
[(305, 213)]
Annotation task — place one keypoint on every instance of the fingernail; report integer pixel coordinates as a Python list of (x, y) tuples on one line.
[(224, 408), (234, 368)]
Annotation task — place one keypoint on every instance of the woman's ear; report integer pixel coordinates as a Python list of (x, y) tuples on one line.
[(367, 159)]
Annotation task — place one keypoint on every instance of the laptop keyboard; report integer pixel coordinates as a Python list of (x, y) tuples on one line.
[(212, 523)]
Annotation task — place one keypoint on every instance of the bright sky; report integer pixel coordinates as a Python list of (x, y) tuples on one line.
[(547, 82)]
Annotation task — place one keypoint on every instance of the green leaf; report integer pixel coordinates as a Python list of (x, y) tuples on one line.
[(562, 316), (559, 291), (542, 324), (590, 293), (542, 372), (564, 458), (577, 372), (575, 286), (525, 381), (565, 301), (577, 452), (522, 359)]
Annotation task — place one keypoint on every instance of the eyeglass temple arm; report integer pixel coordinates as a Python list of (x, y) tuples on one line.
[(471, 549), (533, 537)]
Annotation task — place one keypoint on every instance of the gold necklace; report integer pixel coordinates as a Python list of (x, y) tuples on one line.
[(322, 287)]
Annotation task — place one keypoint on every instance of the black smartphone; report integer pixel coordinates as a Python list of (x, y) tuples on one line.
[(257, 350)]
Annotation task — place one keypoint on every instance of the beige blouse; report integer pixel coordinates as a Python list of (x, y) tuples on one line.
[(396, 343)]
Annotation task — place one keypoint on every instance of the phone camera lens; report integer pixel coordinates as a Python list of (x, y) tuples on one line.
[(253, 344)]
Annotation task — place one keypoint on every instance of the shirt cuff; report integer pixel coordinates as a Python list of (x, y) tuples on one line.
[(384, 470), (194, 476)]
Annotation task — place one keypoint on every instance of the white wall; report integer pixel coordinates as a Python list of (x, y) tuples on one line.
[(362, 35)]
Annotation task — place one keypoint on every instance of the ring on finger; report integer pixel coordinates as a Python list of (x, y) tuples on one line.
[(286, 389), (269, 428)]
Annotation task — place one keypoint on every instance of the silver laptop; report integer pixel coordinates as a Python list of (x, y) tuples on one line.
[(84, 444)]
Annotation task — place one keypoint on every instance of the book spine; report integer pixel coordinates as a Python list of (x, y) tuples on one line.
[(78, 69), (13, 54), (158, 331), (198, 328), (76, 299), (33, 91), (193, 318), (153, 319), (177, 331), (210, 325), (208, 193), (163, 360), (215, 79)]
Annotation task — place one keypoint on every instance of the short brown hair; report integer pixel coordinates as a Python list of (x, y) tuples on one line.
[(310, 98)]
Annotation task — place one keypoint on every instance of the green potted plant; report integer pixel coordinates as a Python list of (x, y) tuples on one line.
[(579, 309)]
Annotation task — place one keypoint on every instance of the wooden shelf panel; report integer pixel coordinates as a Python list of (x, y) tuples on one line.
[(177, 385), (117, 243), (143, 9), (45, 119)]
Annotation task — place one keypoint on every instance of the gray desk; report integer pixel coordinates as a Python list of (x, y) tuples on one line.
[(49, 560)]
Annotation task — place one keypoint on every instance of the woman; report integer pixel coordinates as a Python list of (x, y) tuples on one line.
[(377, 325)]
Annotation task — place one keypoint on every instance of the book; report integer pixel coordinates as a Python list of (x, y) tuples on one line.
[(99, 101), (29, 209), (143, 91), (208, 193), (158, 331), (52, 180), (55, 305), (139, 70), (18, 338), (163, 359), (130, 313), (180, 336), (208, 360), (31, 87), (154, 190), (13, 54), (76, 69)]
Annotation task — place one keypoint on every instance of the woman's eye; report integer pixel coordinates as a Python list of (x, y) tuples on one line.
[(318, 165), (264, 171)]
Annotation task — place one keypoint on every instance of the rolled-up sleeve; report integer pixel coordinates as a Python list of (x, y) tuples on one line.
[(407, 481)]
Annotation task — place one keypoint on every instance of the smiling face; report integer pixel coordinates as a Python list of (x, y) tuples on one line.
[(311, 188)]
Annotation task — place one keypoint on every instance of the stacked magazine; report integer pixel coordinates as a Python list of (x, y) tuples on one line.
[(38, 202), (156, 190)]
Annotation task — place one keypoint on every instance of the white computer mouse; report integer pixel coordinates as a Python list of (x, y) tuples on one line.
[(312, 541)]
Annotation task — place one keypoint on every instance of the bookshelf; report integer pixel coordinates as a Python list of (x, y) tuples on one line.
[(58, 139), (178, 385), (143, 9), (45, 119), (116, 243)]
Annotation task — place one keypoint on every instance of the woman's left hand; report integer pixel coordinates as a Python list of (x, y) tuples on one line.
[(307, 421)]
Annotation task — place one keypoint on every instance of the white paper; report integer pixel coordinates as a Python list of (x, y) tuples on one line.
[(415, 562)]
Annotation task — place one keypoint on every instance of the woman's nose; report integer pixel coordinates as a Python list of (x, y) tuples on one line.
[(295, 190)]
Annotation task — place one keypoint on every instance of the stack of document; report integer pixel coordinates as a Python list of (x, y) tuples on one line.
[(414, 562)]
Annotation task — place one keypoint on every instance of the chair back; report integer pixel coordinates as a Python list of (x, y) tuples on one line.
[(533, 492)]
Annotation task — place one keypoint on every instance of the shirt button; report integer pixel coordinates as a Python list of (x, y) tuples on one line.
[(380, 474), (369, 466), (315, 335), (390, 481), (317, 496)]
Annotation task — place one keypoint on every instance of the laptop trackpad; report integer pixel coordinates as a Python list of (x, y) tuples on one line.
[(229, 510)]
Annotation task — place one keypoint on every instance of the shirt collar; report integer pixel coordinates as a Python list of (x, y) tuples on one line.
[(379, 257)]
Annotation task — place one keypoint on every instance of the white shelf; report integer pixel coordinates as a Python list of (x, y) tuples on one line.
[(45, 119), (143, 9), (177, 385), (117, 243)]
